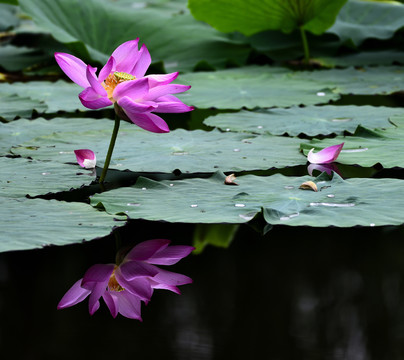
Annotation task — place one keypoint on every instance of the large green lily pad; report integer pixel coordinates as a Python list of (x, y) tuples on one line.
[(142, 151), (264, 86), (364, 58), (15, 106), (20, 177), (254, 86), (17, 132), (35, 223), (57, 96), (310, 120), (338, 202), (368, 147)]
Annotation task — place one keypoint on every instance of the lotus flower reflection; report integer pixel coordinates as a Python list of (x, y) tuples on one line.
[(121, 82), (325, 156), (123, 287), (86, 158)]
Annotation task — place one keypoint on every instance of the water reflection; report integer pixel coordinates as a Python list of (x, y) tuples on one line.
[(328, 168), (132, 279), (297, 293)]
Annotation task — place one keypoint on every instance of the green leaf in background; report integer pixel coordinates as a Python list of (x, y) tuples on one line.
[(142, 151), (345, 203), (360, 20), (368, 147), (178, 40), (310, 120), (8, 18), (12, 2), (13, 58), (252, 16)]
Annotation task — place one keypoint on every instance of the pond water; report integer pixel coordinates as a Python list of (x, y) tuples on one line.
[(294, 293)]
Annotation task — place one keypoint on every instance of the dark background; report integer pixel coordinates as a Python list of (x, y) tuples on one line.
[(295, 293)]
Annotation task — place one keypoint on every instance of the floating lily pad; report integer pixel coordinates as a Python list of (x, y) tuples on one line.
[(338, 202), (255, 86), (15, 106), (35, 223), (17, 132), (364, 58), (362, 81), (368, 147), (20, 177), (57, 96), (264, 86), (188, 151), (310, 120)]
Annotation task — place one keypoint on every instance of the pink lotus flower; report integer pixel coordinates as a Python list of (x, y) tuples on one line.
[(124, 286), (86, 158), (325, 156), (121, 82)]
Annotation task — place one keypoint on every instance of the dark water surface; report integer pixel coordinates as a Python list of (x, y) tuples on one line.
[(295, 293)]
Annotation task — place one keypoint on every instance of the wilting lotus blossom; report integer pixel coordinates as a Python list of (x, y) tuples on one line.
[(86, 158), (121, 82), (124, 286), (325, 156)]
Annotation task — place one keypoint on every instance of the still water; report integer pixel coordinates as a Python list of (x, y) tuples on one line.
[(295, 293)]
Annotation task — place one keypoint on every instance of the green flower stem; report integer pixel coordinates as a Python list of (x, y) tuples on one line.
[(110, 149), (305, 45)]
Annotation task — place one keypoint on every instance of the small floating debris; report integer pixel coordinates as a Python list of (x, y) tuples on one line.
[(308, 185), (230, 180)]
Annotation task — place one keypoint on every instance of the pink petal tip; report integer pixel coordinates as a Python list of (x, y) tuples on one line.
[(326, 155)]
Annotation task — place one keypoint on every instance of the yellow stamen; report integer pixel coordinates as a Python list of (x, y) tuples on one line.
[(113, 284), (113, 80)]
